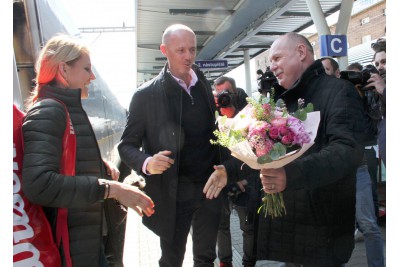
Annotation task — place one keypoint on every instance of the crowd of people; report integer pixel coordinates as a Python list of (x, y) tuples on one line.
[(367, 203), (193, 185)]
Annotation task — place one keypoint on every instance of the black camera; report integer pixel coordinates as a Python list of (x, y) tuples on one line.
[(226, 99), (360, 77), (267, 81)]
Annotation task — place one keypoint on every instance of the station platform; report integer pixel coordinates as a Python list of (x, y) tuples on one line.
[(142, 246)]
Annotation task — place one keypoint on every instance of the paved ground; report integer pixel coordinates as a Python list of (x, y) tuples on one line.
[(142, 246)]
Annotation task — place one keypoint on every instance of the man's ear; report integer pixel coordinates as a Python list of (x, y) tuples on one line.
[(163, 49), (337, 73), (302, 50)]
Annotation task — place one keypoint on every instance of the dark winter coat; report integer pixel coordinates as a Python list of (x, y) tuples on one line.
[(318, 229), (153, 125), (43, 131)]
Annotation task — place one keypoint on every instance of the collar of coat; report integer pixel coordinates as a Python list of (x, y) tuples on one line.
[(314, 70)]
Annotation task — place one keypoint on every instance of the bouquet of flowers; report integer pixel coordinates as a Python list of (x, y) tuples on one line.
[(265, 135)]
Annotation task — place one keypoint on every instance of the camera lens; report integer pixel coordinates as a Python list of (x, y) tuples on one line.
[(224, 99), (366, 74)]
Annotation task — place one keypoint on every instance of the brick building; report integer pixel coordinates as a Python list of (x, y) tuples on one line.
[(367, 23)]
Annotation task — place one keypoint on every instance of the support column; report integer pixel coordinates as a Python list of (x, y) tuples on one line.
[(342, 26), (247, 72), (318, 18)]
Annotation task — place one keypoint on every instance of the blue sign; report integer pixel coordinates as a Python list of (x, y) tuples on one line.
[(212, 64), (333, 45)]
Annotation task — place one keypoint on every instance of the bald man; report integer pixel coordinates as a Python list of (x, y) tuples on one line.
[(167, 141), (319, 186), (331, 66)]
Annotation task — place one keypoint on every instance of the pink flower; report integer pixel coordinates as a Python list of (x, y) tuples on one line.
[(274, 132), (283, 130), (295, 125), (262, 146), (300, 136), (259, 128), (267, 109), (287, 139), (279, 121)]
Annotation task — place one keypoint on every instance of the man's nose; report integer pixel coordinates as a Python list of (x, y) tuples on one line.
[(272, 67), (190, 54)]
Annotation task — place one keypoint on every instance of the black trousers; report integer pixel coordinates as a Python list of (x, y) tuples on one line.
[(373, 163), (203, 215), (249, 257), (288, 264)]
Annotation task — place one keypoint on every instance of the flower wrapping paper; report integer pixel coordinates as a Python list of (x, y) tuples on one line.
[(244, 152)]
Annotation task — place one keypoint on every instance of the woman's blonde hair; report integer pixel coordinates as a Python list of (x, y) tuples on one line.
[(60, 48)]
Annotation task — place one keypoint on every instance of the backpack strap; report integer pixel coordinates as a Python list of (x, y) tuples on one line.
[(67, 167)]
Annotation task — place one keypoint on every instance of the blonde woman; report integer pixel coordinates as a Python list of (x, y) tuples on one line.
[(63, 75)]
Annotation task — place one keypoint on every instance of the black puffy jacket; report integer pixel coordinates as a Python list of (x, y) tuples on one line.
[(43, 130), (318, 228)]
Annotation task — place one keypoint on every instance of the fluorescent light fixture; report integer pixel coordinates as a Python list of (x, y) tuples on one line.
[(235, 43)]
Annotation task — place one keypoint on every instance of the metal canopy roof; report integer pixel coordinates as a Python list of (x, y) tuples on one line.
[(224, 28)]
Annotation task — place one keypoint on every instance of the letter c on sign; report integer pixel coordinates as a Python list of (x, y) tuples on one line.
[(336, 50)]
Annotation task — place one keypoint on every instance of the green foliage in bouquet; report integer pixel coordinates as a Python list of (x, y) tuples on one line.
[(226, 138), (277, 151)]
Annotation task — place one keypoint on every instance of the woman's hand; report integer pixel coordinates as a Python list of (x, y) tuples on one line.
[(132, 197)]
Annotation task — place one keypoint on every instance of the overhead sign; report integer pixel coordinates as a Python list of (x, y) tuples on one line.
[(333, 45), (212, 64)]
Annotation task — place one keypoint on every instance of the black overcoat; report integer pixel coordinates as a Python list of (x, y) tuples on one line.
[(318, 228), (152, 127)]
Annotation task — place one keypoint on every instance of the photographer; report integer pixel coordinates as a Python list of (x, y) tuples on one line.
[(267, 82), (242, 195), (370, 151), (356, 66), (229, 99), (378, 81), (366, 195)]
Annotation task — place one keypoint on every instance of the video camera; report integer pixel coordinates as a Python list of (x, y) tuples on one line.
[(226, 99), (267, 80), (360, 77)]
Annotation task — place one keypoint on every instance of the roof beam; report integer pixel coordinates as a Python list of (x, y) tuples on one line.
[(106, 29), (157, 46), (254, 46), (205, 32), (199, 11), (270, 33), (296, 14)]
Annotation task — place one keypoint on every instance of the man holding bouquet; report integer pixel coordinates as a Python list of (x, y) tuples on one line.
[(319, 187), (313, 224)]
